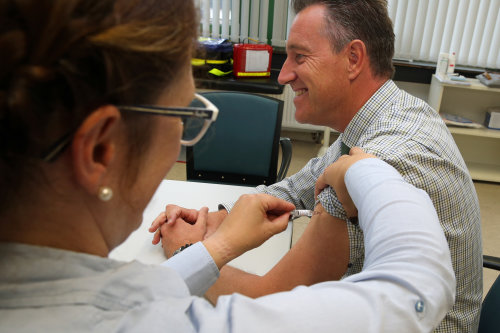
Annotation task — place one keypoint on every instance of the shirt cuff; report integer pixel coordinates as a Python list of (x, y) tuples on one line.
[(196, 267)]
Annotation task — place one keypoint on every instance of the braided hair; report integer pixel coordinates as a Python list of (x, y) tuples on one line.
[(60, 59)]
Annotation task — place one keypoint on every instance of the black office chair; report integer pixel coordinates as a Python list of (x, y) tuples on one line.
[(490, 311), (242, 146)]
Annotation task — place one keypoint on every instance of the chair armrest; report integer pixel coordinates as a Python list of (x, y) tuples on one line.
[(491, 262), (286, 157)]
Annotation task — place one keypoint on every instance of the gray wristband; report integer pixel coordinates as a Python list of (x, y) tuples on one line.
[(182, 248)]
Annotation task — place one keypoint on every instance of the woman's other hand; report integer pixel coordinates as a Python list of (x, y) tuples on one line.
[(187, 228), (190, 216), (334, 176)]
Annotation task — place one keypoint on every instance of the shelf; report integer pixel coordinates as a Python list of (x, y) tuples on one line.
[(474, 85), (479, 146), (484, 172), (267, 85), (481, 132)]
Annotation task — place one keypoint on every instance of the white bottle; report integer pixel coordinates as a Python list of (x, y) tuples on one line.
[(451, 63), (442, 64)]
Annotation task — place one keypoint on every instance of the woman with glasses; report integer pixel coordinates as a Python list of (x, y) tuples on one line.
[(93, 97), (93, 109)]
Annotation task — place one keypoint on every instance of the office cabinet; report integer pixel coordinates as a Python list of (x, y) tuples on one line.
[(480, 147)]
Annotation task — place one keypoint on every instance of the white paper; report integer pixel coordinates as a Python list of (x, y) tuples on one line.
[(257, 61)]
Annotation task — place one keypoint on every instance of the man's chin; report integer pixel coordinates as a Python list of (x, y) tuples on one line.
[(301, 116), (305, 118)]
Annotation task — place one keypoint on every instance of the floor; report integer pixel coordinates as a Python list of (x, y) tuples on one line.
[(305, 148)]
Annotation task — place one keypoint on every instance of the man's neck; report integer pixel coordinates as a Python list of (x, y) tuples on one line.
[(362, 89), (365, 89)]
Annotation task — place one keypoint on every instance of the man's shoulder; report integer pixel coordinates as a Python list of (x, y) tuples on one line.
[(407, 121)]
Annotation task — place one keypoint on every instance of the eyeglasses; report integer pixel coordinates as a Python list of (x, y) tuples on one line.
[(196, 121)]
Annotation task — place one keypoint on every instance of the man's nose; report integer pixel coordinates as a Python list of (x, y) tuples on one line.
[(286, 75)]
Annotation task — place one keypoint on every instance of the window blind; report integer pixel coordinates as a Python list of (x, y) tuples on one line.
[(265, 21), (470, 28), (423, 28)]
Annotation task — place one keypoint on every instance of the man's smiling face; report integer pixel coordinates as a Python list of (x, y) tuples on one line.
[(314, 71)]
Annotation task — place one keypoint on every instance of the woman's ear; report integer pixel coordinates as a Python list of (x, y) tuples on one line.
[(93, 147), (357, 58)]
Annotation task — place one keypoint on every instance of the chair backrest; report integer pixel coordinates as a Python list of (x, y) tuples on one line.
[(242, 146), (490, 310)]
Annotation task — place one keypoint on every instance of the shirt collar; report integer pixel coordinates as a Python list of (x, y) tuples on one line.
[(23, 262)]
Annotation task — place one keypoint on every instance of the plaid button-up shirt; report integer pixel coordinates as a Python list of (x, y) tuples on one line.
[(408, 134)]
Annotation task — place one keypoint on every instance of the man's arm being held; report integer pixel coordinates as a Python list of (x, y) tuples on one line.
[(308, 262), (321, 254), (407, 280)]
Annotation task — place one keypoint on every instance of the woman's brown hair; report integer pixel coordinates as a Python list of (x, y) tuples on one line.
[(60, 59)]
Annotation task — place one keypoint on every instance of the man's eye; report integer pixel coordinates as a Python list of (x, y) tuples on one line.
[(299, 58)]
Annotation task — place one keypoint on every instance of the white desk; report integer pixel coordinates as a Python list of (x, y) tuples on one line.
[(196, 195)]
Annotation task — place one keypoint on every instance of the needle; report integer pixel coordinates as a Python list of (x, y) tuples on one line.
[(295, 214)]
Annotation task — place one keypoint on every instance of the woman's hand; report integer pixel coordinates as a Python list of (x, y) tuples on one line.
[(178, 226), (334, 176), (253, 220), (190, 216), (171, 214)]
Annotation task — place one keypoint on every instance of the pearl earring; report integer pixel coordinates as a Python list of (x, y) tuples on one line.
[(105, 193)]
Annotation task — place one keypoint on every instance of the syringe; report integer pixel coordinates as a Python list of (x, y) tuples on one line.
[(295, 214)]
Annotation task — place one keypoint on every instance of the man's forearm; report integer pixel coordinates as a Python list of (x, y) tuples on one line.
[(233, 280), (321, 254)]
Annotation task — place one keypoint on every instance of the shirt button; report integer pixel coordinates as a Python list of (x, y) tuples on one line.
[(419, 306)]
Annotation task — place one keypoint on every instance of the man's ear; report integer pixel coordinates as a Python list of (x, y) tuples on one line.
[(356, 52), (93, 147)]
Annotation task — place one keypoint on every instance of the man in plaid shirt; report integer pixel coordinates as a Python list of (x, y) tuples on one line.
[(339, 63)]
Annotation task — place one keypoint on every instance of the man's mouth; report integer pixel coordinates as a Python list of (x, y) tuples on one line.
[(300, 92)]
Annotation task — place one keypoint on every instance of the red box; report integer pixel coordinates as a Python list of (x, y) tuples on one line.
[(252, 60)]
